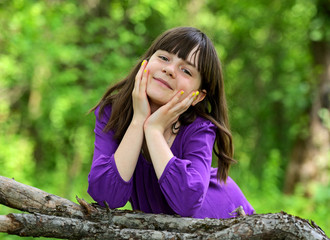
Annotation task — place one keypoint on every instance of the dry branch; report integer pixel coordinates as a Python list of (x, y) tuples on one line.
[(53, 216), (30, 199)]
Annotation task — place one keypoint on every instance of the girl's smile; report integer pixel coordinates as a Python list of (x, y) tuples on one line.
[(163, 82)]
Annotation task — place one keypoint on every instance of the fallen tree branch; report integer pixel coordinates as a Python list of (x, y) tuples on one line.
[(30, 199), (53, 216)]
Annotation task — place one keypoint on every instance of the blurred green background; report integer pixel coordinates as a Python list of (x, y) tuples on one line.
[(58, 57)]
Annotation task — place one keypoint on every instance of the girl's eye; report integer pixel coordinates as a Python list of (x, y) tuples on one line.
[(186, 71), (163, 58)]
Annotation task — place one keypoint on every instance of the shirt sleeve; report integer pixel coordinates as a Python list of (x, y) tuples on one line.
[(105, 182), (185, 180)]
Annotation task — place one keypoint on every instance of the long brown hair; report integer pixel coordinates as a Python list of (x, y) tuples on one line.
[(180, 41)]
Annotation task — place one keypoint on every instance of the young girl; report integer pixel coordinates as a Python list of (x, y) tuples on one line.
[(156, 129)]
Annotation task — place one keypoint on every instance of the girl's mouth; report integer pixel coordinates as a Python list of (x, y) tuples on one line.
[(163, 83)]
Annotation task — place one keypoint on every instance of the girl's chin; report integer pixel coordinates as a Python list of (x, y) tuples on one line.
[(158, 101), (158, 97)]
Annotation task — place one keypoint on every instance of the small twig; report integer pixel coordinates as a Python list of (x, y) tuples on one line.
[(87, 207), (108, 211), (313, 224), (239, 212)]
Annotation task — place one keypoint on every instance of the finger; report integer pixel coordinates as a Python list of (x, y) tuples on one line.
[(177, 104), (144, 80), (182, 106), (194, 96), (139, 74), (175, 99)]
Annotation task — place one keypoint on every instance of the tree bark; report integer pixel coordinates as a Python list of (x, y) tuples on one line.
[(309, 162), (53, 216), (310, 156)]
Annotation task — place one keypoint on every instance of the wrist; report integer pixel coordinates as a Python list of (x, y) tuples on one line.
[(137, 122), (152, 134), (152, 129)]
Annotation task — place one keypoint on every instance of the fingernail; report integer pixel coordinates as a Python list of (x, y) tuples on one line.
[(193, 94), (143, 62), (197, 93), (145, 70), (182, 92)]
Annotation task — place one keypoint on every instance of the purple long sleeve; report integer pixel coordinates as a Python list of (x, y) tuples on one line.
[(188, 185), (105, 182), (191, 168)]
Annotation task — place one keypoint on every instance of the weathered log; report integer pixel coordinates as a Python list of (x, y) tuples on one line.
[(149, 226), (30, 199), (53, 216)]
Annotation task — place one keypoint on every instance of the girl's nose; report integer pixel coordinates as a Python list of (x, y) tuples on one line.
[(169, 70)]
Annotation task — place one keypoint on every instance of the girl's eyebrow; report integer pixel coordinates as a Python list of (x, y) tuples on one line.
[(190, 63)]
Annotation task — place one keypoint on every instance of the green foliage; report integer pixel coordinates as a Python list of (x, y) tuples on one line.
[(58, 57)]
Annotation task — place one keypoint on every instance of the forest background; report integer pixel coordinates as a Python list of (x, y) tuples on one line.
[(58, 57)]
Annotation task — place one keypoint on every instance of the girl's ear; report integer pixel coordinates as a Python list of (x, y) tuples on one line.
[(200, 97)]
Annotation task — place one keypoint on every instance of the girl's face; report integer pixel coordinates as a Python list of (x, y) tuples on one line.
[(169, 74)]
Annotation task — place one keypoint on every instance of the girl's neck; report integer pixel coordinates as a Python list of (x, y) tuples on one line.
[(153, 107)]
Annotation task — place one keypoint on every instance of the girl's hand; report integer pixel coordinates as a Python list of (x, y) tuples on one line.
[(168, 114), (141, 105)]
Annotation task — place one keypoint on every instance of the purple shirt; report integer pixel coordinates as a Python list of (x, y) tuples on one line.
[(187, 187)]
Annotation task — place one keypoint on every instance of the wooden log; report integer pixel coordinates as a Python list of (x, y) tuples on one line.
[(30, 199), (52, 216), (151, 226)]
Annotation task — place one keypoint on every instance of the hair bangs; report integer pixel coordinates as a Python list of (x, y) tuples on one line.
[(182, 44)]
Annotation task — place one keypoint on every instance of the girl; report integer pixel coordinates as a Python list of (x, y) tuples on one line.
[(155, 131)]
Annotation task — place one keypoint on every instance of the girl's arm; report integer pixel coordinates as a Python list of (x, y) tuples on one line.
[(184, 182), (129, 149), (186, 177), (110, 178), (105, 182), (156, 125)]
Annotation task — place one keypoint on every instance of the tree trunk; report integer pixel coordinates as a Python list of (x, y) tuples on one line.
[(310, 156), (53, 216)]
